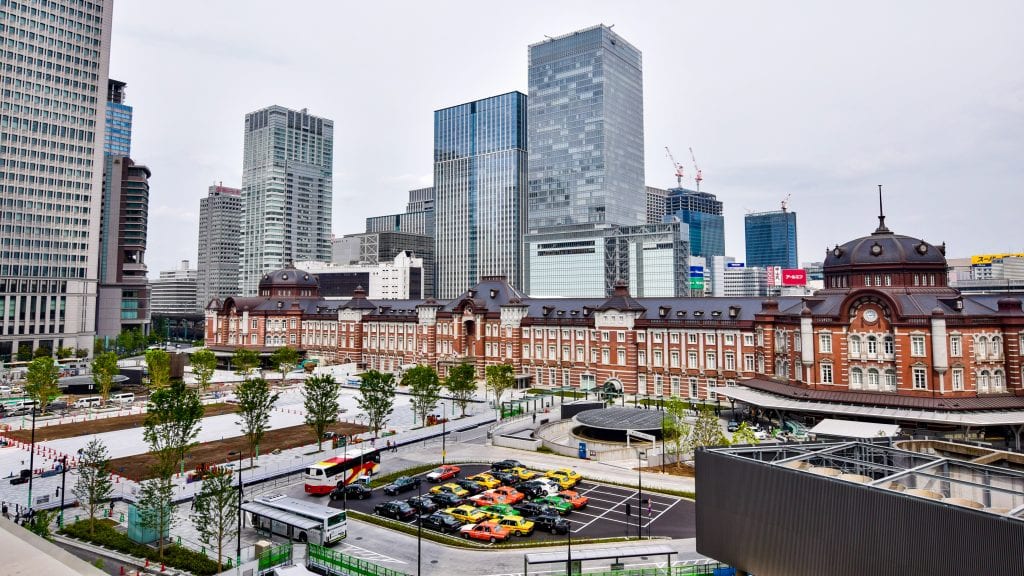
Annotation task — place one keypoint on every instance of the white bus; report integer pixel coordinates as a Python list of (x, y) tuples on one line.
[(297, 519)]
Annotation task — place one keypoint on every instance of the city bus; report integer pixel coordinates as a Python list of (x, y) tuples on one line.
[(297, 519), (324, 476)]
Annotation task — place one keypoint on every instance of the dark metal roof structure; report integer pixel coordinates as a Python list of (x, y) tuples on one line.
[(621, 418)]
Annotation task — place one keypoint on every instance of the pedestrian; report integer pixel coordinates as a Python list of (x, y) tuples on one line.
[(6, 512), (57, 493), (534, 417), (389, 446)]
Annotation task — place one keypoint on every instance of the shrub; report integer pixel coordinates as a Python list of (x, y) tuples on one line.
[(175, 556)]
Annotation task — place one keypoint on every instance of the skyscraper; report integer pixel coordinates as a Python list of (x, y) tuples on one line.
[(771, 239), (220, 245), (51, 156), (117, 141), (586, 131), (480, 188), (286, 191), (702, 212)]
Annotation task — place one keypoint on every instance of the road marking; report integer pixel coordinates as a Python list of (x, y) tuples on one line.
[(369, 555)]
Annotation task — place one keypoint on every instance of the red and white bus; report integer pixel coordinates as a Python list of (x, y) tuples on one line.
[(324, 476)]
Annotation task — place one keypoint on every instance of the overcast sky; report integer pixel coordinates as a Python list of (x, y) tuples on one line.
[(820, 100)]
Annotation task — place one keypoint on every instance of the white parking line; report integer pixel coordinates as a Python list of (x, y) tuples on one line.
[(369, 555)]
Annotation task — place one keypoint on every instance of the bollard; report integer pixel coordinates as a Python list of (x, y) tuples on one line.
[(122, 570), (147, 563), (162, 567)]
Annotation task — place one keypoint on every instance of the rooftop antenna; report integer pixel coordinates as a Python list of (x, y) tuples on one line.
[(881, 215)]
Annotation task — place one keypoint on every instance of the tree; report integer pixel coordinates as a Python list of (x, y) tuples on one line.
[(42, 352), (104, 368), (81, 353), (24, 352), (321, 403), (461, 384), (40, 523), (745, 435), (65, 352), (93, 486), (499, 379), (707, 431), (155, 511), (255, 401), (376, 398), (285, 359), (41, 381), (675, 430), (245, 360), (172, 422), (204, 363), (424, 389), (215, 512), (159, 364)]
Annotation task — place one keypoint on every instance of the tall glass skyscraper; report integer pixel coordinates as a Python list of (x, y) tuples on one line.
[(286, 191), (117, 141), (220, 245), (702, 212), (54, 68), (586, 131), (771, 239), (479, 191)]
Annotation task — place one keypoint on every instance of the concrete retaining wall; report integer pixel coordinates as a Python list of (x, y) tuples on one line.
[(518, 443)]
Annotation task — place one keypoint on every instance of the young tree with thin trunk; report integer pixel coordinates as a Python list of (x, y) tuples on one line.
[(321, 403), (675, 430), (216, 512), (159, 364), (461, 384), (500, 378), (255, 401), (41, 381), (173, 419), (155, 508), (93, 486), (707, 431), (284, 359), (376, 398), (204, 363), (104, 368), (424, 389), (745, 435), (244, 360)]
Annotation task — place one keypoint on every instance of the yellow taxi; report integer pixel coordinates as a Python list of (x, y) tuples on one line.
[(451, 488), (486, 480), (466, 513), (565, 477), (523, 473), (517, 525)]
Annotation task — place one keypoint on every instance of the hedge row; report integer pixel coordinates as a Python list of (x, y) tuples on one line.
[(104, 534)]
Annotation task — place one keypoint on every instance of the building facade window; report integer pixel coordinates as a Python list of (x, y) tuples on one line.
[(826, 373), (691, 359), (854, 345), (641, 357), (748, 362), (890, 380), (920, 375), (872, 379), (825, 343), (958, 378), (856, 378), (674, 359), (917, 345), (872, 342), (956, 346)]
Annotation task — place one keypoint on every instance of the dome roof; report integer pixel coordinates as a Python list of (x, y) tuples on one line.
[(886, 248), (288, 278)]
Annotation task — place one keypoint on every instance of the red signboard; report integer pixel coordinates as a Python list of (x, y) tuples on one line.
[(794, 277)]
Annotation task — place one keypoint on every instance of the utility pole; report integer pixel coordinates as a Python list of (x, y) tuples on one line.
[(63, 476), (32, 457), (444, 431)]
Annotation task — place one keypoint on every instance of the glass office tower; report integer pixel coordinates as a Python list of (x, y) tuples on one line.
[(479, 192), (586, 131), (702, 212), (771, 239)]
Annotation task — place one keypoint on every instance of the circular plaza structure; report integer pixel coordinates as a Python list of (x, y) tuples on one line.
[(611, 424), (84, 384)]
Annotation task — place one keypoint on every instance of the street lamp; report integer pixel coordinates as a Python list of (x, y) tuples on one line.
[(238, 546), (444, 430), (31, 457), (419, 532), (63, 475), (639, 497), (568, 558)]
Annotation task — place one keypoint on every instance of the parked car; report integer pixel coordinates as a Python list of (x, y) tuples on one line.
[(517, 525), (577, 500), (441, 522), (536, 489), (451, 488), (504, 465), (732, 426), (555, 502), (532, 509), (523, 473), (442, 473), (551, 523), (446, 500), (509, 494), (396, 509), (497, 511), (506, 478), (422, 504), (57, 406), (563, 481), (486, 480), (353, 491), (402, 484), (470, 486), (466, 513), (487, 531), (560, 474)]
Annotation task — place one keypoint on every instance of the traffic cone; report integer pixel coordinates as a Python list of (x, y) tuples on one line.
[(122, 570), (162, 567), (147, 563)]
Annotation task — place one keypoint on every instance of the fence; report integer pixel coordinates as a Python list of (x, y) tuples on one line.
[(332, 562), (711, 569), (275, 556)]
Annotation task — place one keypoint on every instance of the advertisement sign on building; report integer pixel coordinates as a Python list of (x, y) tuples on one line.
[(794, 277), (735, 265)]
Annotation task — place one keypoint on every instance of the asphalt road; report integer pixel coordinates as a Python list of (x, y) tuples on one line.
[(604, 517)]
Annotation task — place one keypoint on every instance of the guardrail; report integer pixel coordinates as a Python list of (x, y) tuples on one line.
[(333, 562)]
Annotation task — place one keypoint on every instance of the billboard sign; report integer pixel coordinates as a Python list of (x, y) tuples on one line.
[(794, 277), (735, 265), (696, 271), (697, 283)]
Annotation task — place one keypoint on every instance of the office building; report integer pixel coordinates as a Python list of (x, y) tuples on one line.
[(479, 192), (421, 222), (345, 250), (51, 154), (117, 140), (220, 243), (585, 131), (376, 247), (702, 212), (656, 204), (771, 239), (421, 200), (398, 279), (590, 261), (286, 191), (174, 293)]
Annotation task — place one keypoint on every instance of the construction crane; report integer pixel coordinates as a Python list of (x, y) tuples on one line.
[(677, 166), (698, 177), (785, 202)]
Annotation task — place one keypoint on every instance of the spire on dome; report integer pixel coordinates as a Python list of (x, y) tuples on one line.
[(881, 215)]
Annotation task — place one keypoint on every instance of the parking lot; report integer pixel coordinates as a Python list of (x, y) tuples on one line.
[(605, 516)]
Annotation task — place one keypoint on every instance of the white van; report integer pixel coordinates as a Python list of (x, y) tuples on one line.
[(88, 402), (123, 398)]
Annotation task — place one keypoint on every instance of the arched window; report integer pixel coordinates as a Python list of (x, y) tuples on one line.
[(996, 347), (888, 346), (872, 379), (890, 379), (982, 347), (983, 381), (855, 345), (856, 378), (872, 345), (998, 382)]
